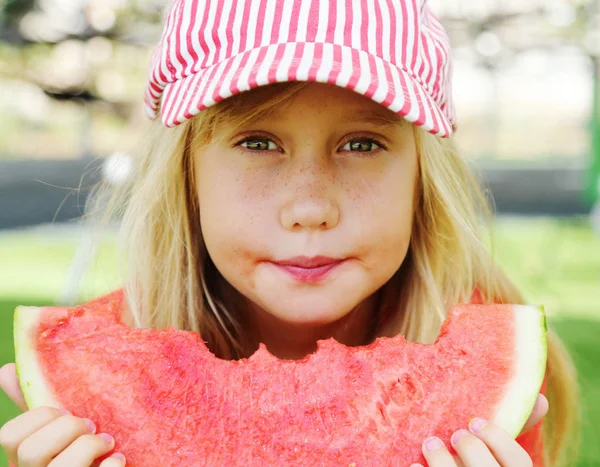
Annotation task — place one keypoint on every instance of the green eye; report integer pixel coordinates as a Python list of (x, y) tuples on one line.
[(361, 145), (258, 144)]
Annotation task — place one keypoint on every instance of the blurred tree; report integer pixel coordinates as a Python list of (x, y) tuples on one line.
[(91, 41), (494, 30), (11, 11), (97, 51), (91, 54), (593, 188)]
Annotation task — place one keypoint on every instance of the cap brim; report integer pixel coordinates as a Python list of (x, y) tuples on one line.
[(349, 68)]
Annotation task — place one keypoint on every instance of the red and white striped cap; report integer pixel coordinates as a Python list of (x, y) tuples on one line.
[(395, 52)]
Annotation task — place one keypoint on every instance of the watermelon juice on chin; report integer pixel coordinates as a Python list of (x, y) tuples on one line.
[(163, 391)]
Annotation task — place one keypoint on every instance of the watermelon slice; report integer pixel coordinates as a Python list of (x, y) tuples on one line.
[(169, 401)]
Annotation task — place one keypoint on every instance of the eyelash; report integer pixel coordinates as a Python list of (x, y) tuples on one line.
[(256, 139), (373, 141)]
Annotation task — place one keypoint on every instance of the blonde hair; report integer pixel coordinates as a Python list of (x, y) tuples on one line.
[(162, 244)]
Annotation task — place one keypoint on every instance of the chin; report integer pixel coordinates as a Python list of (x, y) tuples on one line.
[(309, 309)]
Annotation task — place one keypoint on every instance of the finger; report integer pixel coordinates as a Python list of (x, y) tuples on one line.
[(540, 409), (115, 460), (19, 428), (472, 451), (84, 450), (500, 443), (40, 447), (10, 385), (436, 453)]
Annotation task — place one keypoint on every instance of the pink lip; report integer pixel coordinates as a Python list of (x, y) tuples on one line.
[(307, 269)]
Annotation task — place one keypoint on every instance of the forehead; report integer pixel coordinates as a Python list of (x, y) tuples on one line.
[(283, 100)]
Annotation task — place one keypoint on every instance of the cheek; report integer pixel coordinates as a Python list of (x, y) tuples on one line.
[(232, 217), (233, 209), (384, 210)]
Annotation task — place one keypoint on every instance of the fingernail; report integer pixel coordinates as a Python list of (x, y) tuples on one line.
[(106, 437), (433, 444), (91, 425), (477, 424), (456, 437), (118, 455), (541, 401), (65, 412)]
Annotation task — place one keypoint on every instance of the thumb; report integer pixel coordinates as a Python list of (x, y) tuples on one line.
[(9, 383), (540, 409)]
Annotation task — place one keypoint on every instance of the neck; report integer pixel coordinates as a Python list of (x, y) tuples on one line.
[(293, 342)]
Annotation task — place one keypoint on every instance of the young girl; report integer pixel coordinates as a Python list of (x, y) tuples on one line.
[(332, 203)]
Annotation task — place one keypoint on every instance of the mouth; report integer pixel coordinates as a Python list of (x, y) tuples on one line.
[(309, 269)]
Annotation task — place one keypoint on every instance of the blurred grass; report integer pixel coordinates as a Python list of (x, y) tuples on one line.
[(555, 262), (35, 265)]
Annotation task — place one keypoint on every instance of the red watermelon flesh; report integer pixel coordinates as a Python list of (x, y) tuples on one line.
[(169, 401)]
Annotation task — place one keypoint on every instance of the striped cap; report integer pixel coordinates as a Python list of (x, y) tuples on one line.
[(395, 52)]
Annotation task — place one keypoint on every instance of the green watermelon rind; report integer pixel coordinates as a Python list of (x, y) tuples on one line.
[(519, 400), (31, 375)]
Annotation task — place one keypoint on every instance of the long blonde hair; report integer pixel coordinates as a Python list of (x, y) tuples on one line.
[(170, 278)]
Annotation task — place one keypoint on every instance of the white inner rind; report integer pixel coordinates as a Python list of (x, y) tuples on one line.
[(530, 366), (31, 376)]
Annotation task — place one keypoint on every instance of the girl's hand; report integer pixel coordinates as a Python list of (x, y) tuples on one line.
[(483, 445), (48, 437), (10, 384)]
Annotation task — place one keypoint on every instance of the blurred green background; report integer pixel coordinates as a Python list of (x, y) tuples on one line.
[(527, 93)]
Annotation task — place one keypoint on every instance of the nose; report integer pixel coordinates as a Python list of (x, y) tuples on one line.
[(312, 214), (311, 204)]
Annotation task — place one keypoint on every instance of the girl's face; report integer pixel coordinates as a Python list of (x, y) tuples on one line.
[(308, 212)]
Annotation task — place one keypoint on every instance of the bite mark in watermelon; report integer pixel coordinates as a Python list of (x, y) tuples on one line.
[(166, 398)]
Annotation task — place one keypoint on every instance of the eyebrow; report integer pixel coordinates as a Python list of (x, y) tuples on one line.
[(373, 117)]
